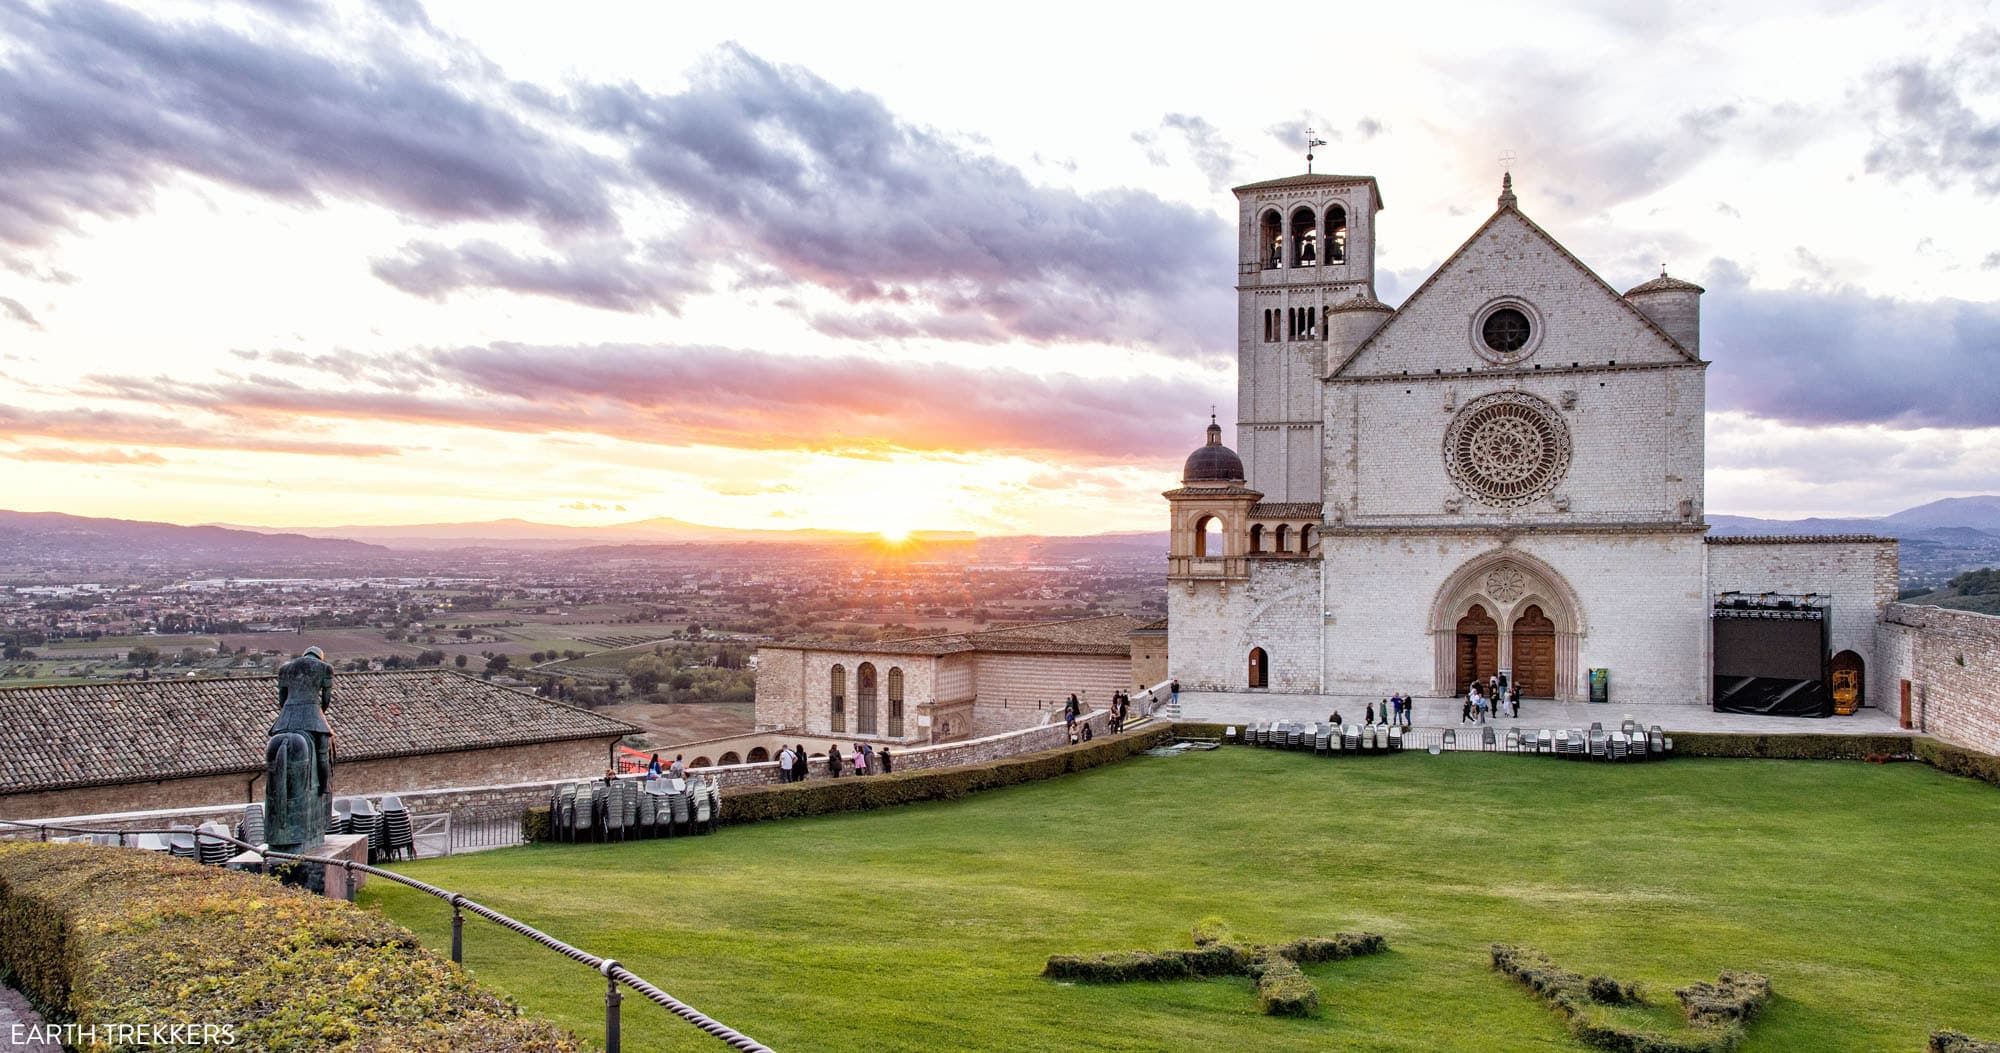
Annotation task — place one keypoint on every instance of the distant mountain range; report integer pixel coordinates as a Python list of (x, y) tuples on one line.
[(1939, 538), (55, 537)]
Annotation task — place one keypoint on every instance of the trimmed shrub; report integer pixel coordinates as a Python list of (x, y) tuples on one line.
[(1146, 965), (1716, 1012), (1210, 930), (822, 796), (1959, 761), (1733, 999), (1954, 1042), (1312, 950), (110, 938), (1184, 729), (1282, 990), (1790, 747), (537, 825)]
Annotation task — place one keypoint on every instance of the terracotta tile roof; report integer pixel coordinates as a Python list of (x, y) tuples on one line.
[(1155, 627), (1287, 510), (1100, 635), (1800, 539), (1664, 284), (144, 730), (1283, 182)]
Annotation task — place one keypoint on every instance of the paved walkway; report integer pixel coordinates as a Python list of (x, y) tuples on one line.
[(17, 1017), (1233, 707)]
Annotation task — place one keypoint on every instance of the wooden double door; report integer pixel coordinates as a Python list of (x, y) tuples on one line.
[(1533, 651)]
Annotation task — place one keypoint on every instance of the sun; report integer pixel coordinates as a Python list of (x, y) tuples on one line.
[(895, 535)]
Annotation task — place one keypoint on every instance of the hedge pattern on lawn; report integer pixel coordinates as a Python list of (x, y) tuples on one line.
[(824, 796), (1716, 1012), (106, 937), (1955, 1042), (1282, 988)]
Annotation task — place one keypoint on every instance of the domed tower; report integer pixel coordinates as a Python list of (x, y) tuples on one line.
[(1210, 516), (1673, 305), (1349, 323)]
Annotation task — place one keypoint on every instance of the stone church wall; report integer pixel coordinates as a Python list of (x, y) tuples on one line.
[(1643, 609), (1015, 689), (780, 688), (1212, 631), (1952, 661), (1859, 575)]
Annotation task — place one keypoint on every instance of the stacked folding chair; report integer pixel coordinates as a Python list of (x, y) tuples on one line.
[(628, 791), (581, 820), (1294, 737), (562, 810), (677, 799), (1350, 738), (364, 820), (1660, 742), (252, 829), (1599, 746), (1322, 738), (399, 834), (149, 843), (1545, 742), (1395, 736), (649, 811), (338, 823), (698, 804), (181, 842), (714, 803), (214, 851), (1616, 748), (613, 816)]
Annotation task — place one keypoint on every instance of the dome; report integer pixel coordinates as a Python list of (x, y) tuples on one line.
[(1664, 284), (1213, 463)]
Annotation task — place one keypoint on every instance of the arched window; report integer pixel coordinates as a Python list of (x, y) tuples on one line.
[(1208, 537), (758, 755), (1257, 537), (837, 712), (1291, 323), (1305, 538), (1326, 321), (1309, 323), (896, 702), (1336, 234), (730, 758), (1305, 238), (1273, 240), (1260, 668), (699, 762), (864, 699), (1270, 325), (1279, 539)]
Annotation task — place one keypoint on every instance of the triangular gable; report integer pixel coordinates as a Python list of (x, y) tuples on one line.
[(1584, 318)]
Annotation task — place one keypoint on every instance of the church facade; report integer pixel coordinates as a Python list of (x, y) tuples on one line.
[(1502, 476)]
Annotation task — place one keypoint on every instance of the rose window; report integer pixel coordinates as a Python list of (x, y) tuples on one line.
[(1507, 449)]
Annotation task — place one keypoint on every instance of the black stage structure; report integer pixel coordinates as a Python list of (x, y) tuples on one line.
[(1771, 654)]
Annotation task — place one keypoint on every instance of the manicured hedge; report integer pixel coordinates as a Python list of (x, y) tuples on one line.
[(110, 938), (1184, 729), (1791, 747), (1953, 1042), (1959, 761), (1716, 1012), (1282, 988), (821, 796)]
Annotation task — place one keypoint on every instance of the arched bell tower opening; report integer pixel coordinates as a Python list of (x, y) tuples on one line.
[(1507, 611)]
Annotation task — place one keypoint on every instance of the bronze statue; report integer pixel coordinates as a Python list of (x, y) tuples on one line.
[(298, 761)]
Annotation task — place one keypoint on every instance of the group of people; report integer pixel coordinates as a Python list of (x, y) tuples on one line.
[(1494, 697), (859, 761), (654, 769), (1397, 709), (1117, 711)]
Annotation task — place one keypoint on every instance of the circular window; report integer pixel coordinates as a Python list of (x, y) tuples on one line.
[(1505, 330), (1507, 449)]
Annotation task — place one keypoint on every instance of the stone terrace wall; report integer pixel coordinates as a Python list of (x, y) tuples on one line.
[(509, 800), (1952, 661)]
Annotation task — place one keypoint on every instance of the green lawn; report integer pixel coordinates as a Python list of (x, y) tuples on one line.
[(1870, 895)]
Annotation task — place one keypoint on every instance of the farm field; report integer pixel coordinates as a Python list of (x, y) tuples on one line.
[(1865, 892)]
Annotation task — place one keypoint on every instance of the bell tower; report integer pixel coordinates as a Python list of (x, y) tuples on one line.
[(1306, 244)]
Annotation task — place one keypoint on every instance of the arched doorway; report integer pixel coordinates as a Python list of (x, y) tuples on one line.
[(1260, 668), (864, 699), (1849, 683), (759, 755), (1535, 653), (729, 758), (1478, 648)]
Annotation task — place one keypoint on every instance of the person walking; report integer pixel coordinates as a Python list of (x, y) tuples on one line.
[(801, 762), (1409, 711), (1174, 691), (785, 764), (888, 765), (678, 769), (1465, 715), (860, 762), (833, 761), (1368, 715)]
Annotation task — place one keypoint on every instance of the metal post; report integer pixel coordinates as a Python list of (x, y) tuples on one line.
[(611, 1000), (457, 932)]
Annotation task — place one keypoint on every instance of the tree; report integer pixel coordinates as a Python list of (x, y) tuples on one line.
[(430, 658), (683, 681), (496, 664), (646, 672), (143, 656), (459, 661)]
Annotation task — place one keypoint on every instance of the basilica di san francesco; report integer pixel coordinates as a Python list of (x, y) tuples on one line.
[(1502, 476)]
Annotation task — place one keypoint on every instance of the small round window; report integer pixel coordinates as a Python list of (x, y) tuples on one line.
[(1505, 330)]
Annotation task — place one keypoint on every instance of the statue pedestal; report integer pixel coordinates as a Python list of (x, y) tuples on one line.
[(333, 850)]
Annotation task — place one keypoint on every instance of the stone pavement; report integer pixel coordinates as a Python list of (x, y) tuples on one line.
[(17, 1017), (1239, 707)]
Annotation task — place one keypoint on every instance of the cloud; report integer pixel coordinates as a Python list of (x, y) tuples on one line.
[(102, 105), (593, 506), (1759, 466), (1206, 147), (62, 455), (1829, 355), (831, 189), (607, 274), (1926, 127), (697, 395), (114, 426), (12, 308)]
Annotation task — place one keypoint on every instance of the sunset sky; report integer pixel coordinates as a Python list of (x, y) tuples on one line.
[(923, 266)]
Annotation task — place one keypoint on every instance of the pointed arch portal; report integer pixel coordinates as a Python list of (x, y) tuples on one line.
[(1507, 610)]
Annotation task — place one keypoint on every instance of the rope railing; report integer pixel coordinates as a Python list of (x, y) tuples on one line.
[(614, 974)]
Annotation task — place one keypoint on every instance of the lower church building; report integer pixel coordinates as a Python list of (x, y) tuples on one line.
[(1501, 477)]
